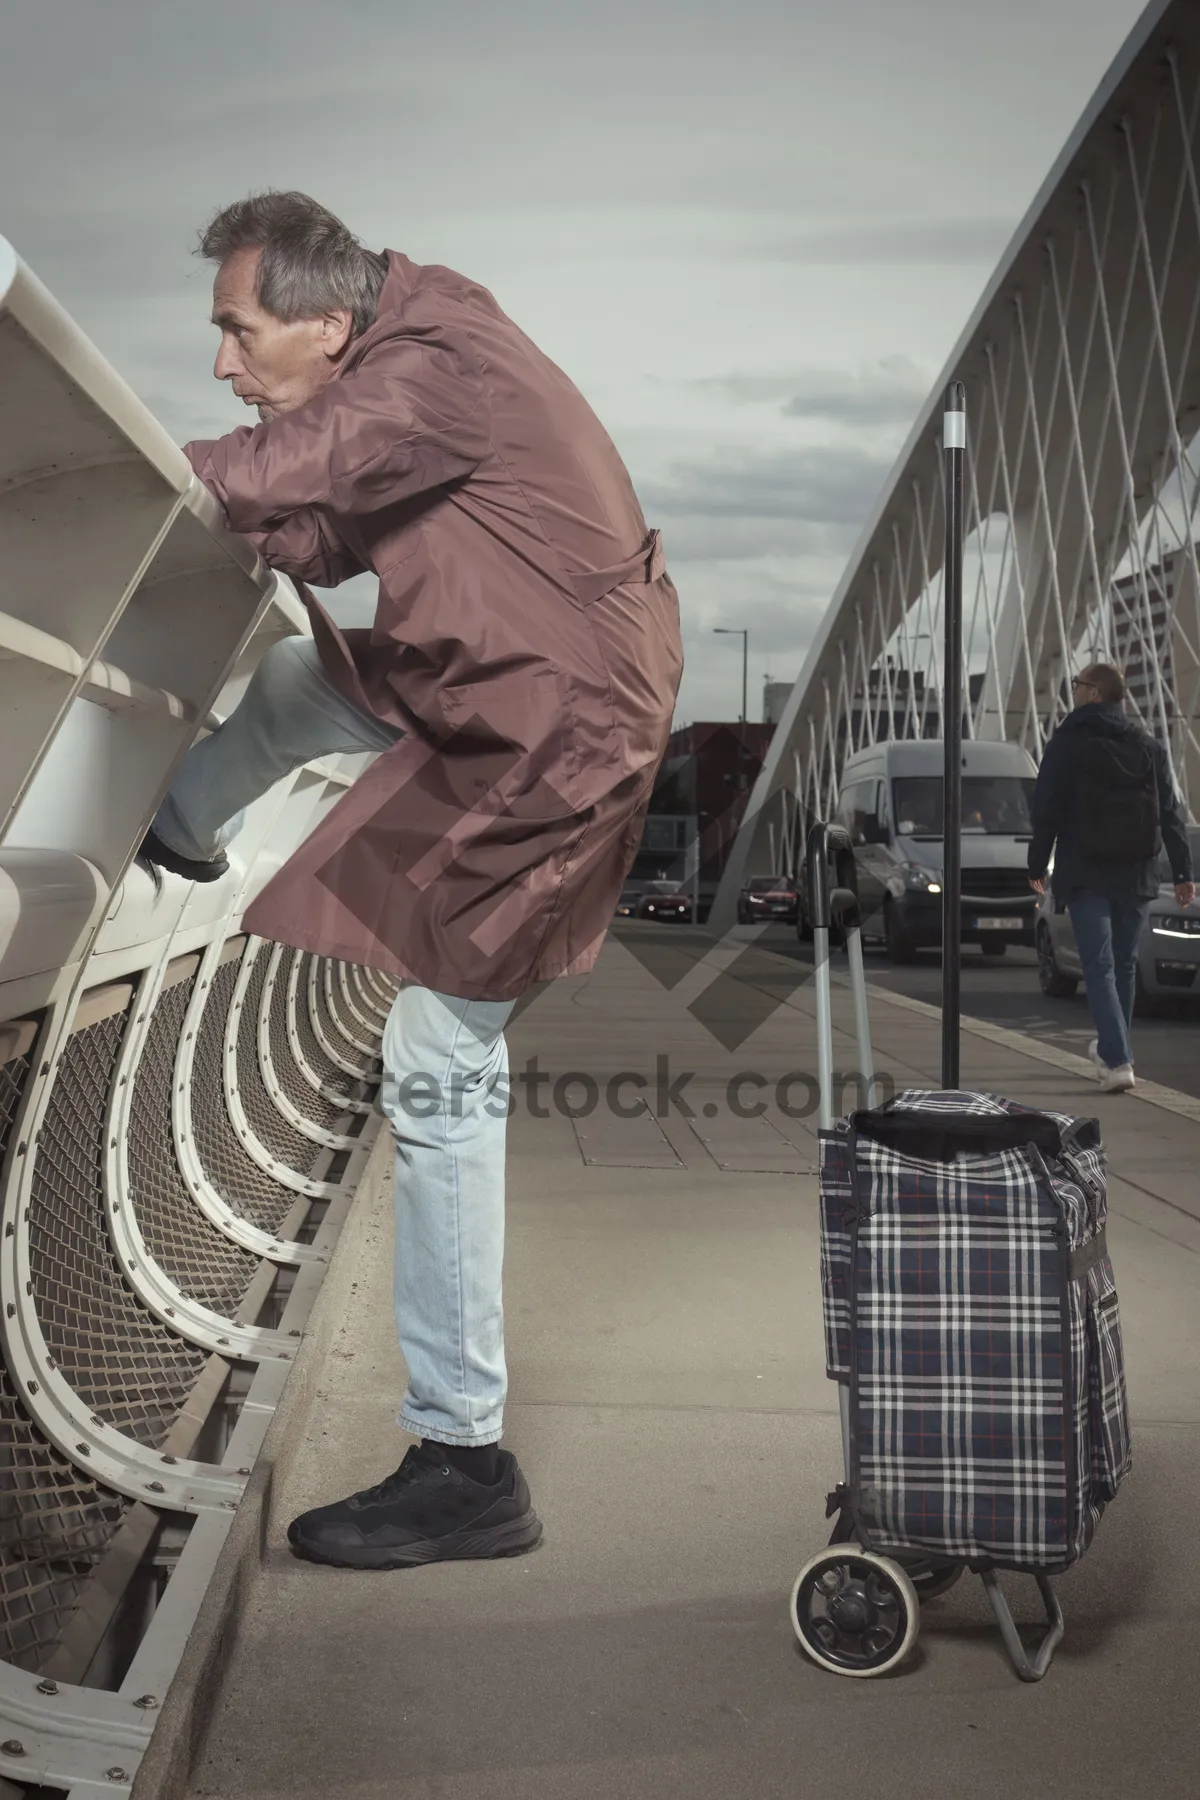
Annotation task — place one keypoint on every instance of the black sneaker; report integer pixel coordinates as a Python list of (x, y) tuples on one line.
[(192, 868), (426, 1512)]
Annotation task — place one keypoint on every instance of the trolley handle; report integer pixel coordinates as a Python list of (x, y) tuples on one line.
[(838, 903), (826, 845)]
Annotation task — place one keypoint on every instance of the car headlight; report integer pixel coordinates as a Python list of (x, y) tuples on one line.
[(1175, 926), (920, 880)]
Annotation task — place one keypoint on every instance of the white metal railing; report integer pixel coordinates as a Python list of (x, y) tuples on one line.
[(182, 1115)]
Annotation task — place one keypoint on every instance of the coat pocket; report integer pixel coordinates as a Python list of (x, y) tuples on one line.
[(1108, 1410)]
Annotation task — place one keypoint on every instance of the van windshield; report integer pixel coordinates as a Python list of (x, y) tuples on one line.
[(992, 805)]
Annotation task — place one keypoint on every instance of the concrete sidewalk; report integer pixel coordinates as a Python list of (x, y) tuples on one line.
[(669, 1405)]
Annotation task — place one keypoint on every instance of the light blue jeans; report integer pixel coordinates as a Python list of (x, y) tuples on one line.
[(445, 1066), (1107, 934), (290, 713)]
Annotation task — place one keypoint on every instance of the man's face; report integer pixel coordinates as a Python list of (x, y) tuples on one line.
[(273, 365), (1083, 692)]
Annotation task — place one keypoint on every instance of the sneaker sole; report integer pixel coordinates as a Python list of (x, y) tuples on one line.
[(513, 1539)]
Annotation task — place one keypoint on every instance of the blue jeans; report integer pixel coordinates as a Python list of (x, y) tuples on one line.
[(445, 1066), (445, 1095), (289, 714), (1107, 933)]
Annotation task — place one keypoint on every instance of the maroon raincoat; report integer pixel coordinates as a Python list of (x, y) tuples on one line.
[(526, 639)]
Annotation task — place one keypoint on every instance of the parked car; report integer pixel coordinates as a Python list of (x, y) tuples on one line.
[(1168, 965), (890, 801), (665, 900), (767, 897), (631, 895)]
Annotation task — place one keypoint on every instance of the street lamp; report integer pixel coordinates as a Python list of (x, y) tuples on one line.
[(732, 631)]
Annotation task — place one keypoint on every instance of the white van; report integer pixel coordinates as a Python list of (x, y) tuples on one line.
[(891, 804)]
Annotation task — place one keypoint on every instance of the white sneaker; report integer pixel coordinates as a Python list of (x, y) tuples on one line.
[(1116, 1081)]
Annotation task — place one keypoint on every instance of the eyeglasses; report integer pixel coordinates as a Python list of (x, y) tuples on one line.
[(1078, 681)]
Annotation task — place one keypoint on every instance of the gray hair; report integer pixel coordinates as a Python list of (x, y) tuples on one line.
[(311, 263)]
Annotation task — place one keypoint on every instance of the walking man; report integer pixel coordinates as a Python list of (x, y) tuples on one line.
[(518, 683), (1105, 805)]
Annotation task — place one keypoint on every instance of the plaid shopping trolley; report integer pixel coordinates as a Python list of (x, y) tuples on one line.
[(971, 1323)]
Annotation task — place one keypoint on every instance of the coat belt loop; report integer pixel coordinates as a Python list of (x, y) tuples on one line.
[(646, 565)]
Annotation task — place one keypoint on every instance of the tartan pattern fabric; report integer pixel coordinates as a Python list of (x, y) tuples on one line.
[(988, 1405)]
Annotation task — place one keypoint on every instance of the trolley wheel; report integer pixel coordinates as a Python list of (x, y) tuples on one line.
[(854, 1612)]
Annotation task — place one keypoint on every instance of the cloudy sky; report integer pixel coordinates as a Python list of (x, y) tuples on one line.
[(750, 230)]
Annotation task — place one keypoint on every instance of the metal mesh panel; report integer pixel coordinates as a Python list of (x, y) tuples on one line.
[(54, 1523), (380, 1002), (380, 989), (246, 1189), (338, 1026), (303, 1096), (125, 1365), (265, 1120), (348, 1007), (370, 1005), (12, 1081), (314, 1055), (192, 1252)]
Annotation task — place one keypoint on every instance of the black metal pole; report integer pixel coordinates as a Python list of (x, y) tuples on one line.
[(954, 449)]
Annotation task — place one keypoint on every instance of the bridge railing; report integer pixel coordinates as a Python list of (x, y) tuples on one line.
[(184, 1110)]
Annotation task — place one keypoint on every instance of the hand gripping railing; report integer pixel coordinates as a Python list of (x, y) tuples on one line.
[(829, 845)]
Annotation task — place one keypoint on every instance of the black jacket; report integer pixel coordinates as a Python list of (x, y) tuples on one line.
[(1054, 813)]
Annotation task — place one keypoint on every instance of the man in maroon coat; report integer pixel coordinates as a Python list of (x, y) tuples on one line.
[(518, 683)]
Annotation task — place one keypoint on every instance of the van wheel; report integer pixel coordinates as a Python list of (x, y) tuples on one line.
[(900, 947), (1051, 979)]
